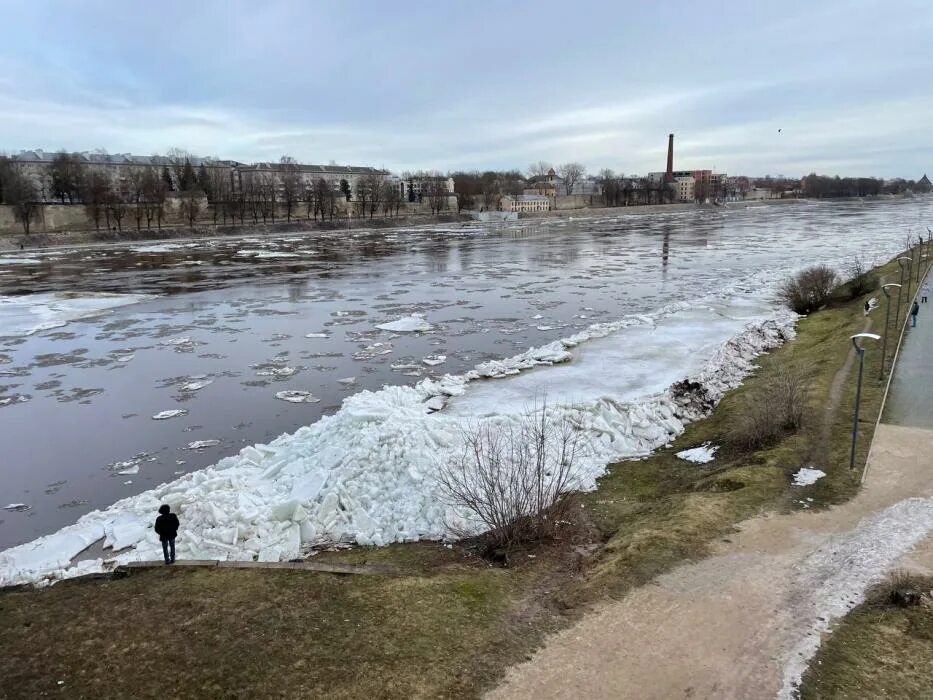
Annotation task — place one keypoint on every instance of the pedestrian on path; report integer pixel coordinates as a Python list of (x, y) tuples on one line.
[(914, 310), (166, 527), (924, 291)]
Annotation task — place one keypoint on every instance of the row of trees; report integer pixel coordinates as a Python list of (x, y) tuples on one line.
[(814, 185)]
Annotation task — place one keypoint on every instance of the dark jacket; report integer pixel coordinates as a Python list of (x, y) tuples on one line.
[(166, 526), (915, 309)]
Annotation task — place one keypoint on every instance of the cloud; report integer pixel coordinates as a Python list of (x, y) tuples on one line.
[(483, 86)]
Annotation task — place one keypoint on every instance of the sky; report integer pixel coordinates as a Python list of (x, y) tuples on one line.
[(835, 87)]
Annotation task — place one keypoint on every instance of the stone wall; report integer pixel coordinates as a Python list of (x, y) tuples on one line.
[(573, 201)]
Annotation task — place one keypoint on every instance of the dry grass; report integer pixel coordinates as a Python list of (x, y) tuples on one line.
[(252, 633), (878, 650)]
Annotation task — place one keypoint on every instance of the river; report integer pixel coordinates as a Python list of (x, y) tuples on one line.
[(95, 341)]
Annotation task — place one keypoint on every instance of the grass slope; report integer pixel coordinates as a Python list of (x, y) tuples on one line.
[(877, 651)]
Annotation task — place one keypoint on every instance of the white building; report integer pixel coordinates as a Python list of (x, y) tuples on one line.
[(684, 188), (524, 203)]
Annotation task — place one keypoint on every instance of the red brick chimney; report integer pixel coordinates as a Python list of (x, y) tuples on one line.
[(670, 158)]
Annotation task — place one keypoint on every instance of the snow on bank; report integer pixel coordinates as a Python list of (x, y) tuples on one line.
[(366, 473), (834, 578), (31, 313), (807, 475), (699, 455)]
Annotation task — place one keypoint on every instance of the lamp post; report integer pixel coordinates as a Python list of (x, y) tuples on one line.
[(887, 324), (901, 261), (858, 388)]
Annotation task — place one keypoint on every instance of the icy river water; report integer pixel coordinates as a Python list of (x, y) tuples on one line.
[(96, 341)]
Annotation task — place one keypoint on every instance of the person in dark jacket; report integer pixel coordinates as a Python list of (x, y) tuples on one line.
[(166, 527), (914, 310)]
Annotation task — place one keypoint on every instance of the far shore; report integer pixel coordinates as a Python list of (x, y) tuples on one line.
[(15, 242)]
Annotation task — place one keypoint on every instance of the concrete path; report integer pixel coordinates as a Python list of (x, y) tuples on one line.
[(911, 390), (744, 622)]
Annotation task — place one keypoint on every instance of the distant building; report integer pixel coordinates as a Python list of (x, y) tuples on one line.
[(683, 188), (923, 184), (120, 167), (524, 203)]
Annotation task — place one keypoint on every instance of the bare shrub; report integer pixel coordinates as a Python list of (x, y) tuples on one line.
[(778, 409), (809, 289), (861, 280), (515, 478), (900, 587)]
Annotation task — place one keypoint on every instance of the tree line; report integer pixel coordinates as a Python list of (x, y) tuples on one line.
[(259, 195)]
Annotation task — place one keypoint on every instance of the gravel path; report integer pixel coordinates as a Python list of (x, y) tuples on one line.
[(743, 622)]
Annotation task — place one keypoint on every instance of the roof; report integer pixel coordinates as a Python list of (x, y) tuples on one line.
[(89, 158)]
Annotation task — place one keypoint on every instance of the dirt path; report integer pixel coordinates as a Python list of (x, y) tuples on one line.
[(744, 622)]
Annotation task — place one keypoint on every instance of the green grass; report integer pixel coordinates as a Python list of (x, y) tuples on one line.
[(452, 623), (877, 651)]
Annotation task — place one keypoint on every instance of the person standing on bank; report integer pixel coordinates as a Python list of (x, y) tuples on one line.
[(924, 292), (914, 310), (166, 527)]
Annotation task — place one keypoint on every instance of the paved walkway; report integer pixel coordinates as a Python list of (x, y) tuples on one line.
[(909, 402), (744, 622)]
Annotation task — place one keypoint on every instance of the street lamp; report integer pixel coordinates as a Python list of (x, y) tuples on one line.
[(887, 322), (858, 388), (902, 261)]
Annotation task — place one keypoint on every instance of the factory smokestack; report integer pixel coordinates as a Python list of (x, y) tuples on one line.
[(669, 177)]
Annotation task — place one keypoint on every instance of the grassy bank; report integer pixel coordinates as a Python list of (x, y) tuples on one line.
[(879, 650), (452, 622)]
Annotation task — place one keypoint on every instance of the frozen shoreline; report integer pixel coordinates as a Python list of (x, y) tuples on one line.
[(365, 474)]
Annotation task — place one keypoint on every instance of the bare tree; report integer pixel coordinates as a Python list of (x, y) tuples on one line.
[(66, 173), (434, 188), (117, 204), (539, 169), (21, 194), (515, 478), (362, 194), (325, 198), (291, 184), (571, 173), (190, 206), (393, 197), (97, 193)]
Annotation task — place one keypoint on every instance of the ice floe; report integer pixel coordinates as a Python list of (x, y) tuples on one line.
[(31, 313), (406, 324), (297, 396), (196, 385), (201, 444), (171, 413)]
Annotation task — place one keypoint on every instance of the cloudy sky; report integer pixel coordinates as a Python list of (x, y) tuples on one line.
[(452, 85)]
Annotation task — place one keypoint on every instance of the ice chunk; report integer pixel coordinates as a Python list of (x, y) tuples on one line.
[(172, 413), (407, 324), (201, 444), (297, 396), (316, 335), (308, 488), (16, 507), (347, 380), (432, 360), (699, 455), (129, 471), (29, 313), (435, 403), (195, 386)]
